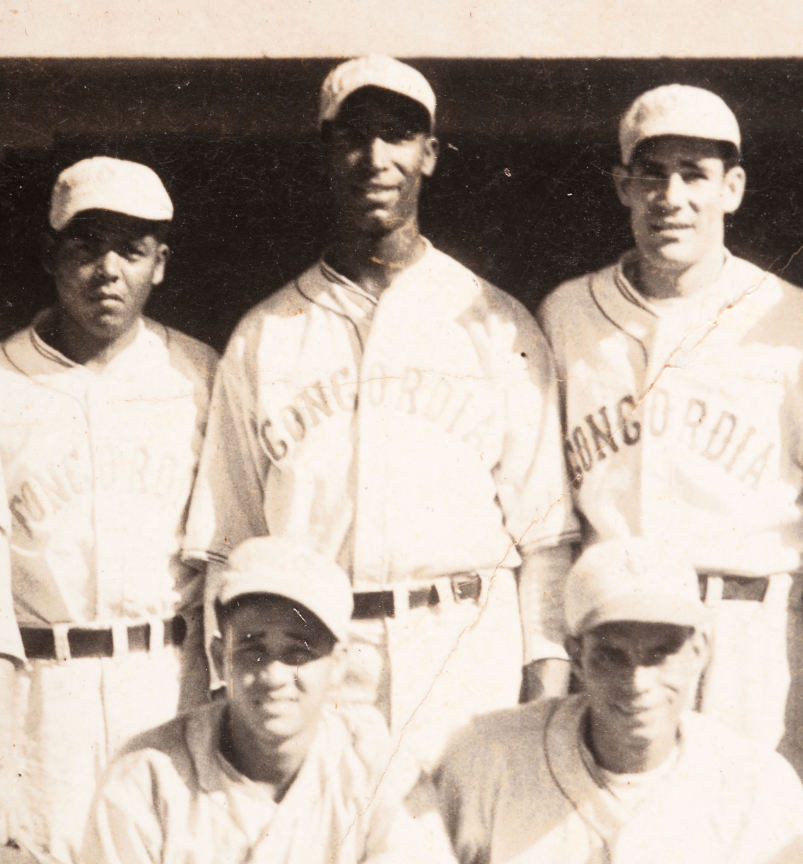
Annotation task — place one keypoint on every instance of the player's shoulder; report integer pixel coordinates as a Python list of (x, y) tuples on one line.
[(738, 764), (503, 737), (184, 349), (573, 295)]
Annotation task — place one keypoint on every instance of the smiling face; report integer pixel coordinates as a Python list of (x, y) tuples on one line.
[(104, 266), (279, 663), (638, 679), (678, 191), (379, 150)]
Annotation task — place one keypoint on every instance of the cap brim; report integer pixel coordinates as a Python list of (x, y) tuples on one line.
[(656, 609)]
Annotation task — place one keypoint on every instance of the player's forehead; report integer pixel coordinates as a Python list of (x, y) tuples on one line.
[(677, 151)]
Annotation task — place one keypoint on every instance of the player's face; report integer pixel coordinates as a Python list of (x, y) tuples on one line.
[(378, 157), (104, 266), (279, 668), (638, 678), (678, 192)]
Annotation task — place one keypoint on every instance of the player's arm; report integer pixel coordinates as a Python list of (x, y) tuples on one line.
[(535, 497), (227, 504), (11, 659)]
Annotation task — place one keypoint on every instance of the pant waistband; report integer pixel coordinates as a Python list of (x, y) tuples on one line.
[(730, 586), (382, 604), (62, 642)]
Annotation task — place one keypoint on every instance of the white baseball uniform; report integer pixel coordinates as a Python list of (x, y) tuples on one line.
[(10, 642), (98, 468), (520, 786), (410, 437), (682, 419), (172, 797)]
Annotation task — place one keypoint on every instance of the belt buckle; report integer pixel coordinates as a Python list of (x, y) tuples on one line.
[(462, 583), (156, 634)]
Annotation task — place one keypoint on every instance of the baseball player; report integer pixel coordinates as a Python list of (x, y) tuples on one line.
[(271, 773), (680, 377), (102, 421), (399, 414), (622, 772)]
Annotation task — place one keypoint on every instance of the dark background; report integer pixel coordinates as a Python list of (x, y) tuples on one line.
[(522, 193)]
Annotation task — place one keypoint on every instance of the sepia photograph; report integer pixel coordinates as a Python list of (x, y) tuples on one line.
[(399, 448)]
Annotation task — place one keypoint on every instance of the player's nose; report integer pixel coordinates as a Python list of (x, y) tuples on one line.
[(672, 191), (107, 264), (377, 152), (275, 674)]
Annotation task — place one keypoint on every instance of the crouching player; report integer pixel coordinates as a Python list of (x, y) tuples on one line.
[(271, 772), (623, 772)]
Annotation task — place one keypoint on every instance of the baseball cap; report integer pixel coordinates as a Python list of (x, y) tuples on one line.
[(373, 70), (104, 183), (677, 109), (288, 568), (632, 580)]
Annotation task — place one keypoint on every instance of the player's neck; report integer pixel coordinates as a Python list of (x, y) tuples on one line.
[(374, 261), (275, 764), (620, 754), (63, 334), (662, 283)]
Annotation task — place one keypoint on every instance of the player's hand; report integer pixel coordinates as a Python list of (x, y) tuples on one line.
[(543, 679)]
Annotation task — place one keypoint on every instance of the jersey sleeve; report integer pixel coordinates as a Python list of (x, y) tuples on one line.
[(10, 641), (123, 826), (227, 501), (531, 476), (464, 784)]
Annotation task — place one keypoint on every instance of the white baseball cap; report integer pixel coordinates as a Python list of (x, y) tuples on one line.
[(677, 109), (632, 580), (104, 183), (373, 70), (288, 568)]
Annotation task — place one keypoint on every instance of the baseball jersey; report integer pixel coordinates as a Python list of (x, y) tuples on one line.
[(516, 786), (98, 468), (408, 436), (172, 797), (682, 417)]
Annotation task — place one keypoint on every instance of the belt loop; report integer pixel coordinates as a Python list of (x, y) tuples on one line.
[(401, 601), (444, 585), (61, 642), (714, 586), (156, 634), (485, 584), (119, 630)]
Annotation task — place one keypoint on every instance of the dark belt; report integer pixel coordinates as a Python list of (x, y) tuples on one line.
[(753, 588), (379, 604), (40, 642)]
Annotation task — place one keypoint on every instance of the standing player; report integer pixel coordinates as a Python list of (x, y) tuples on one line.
[(102, 422), (622, 772), (680, 370), (399, 414)]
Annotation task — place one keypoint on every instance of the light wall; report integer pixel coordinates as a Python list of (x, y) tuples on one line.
[(411, 28)]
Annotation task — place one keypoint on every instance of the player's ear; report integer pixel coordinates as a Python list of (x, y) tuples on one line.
[(733, 189), (432, 148), (621, 182), (573, 647), (48, 251), (339, 664), (216, 652), (701, 643), (162, 256)]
